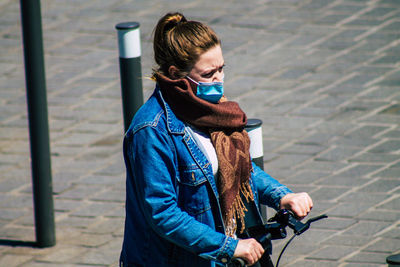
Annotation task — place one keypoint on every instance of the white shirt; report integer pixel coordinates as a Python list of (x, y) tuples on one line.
[(203, 140)]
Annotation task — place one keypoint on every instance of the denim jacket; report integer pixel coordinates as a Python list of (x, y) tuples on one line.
[(173, 217)]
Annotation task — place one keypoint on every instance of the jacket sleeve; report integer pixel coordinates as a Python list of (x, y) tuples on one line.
[(270, 191), (151, 154)]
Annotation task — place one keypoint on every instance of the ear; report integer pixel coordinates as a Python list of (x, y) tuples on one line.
[(173, 72)]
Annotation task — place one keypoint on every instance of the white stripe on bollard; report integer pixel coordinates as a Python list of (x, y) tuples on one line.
[(256, 144), (129, 40)]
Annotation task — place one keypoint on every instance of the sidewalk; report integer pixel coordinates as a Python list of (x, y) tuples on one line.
[(322, 75)]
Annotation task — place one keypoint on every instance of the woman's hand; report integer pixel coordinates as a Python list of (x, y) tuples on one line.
[(299, 203), (249, 250)]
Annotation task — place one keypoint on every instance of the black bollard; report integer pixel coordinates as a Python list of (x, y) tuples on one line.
[(38, 123), (254, 130), (393, 260), (130, 69)]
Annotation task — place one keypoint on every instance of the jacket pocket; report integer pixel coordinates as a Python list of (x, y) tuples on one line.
[(193, 195)]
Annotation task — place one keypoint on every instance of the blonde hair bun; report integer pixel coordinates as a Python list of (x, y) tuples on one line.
[(174, 19)]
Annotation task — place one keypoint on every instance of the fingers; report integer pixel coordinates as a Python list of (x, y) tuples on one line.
[(299, 203), (255, 253), (249, 250), (304, 205), (259, 251)]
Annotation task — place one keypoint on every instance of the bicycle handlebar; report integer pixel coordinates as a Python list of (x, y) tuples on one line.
[(237, 262), (275, 229)]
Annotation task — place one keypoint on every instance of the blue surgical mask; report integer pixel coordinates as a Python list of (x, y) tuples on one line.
[(211, 92)]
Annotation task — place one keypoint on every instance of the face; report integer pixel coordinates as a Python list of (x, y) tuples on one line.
[(209, 67)]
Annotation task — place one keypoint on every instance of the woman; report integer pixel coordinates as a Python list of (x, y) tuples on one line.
[(189, 172)]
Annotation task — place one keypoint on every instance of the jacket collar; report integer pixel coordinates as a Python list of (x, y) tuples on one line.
[(174, 125)]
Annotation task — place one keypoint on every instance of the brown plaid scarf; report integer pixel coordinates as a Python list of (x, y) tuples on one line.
[(225, 122)]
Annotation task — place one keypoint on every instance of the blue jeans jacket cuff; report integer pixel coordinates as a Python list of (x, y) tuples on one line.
[(279, 193), (227, 251)]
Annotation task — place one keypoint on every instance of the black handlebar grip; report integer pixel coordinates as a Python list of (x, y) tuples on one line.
[(237, 262)]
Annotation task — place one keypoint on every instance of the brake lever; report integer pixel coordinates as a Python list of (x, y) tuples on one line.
[(300, 227), (317, 218)]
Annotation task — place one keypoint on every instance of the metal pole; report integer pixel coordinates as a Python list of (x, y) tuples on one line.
[(130, 69), (254, 130), (38, 122)]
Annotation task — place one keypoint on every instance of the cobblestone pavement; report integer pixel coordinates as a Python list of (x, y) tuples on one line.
[(323, 75)]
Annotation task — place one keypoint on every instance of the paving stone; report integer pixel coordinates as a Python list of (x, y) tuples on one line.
[(339, 153), (335, 223), (367, 257), (368, 131), (20, 201), (364, 265), (381, 186), (111, 195), (103, 255), (302, 149), (387, 147), (387, 118), (360, 170), (352, 141), (367, 228), (287, 161), (101, 180), (392, 233), (333, 127), (317, 139), (10, 260), (304, 40), (381, 215), (88, 240), (348, 210), (96, 209), (384, 245), (374, 158), (81, 192), (315, 112), (51, 264), (107, 226), (11, 214), (62, 254), (297, 247), (11, 232), (65, 205), (75, 222), (351, 241), (305, 177), (343, 181), (392, 134), (389, 173), (391, 205), (313, 263), (119, 212), (83, 167), (323, 166), (332, 252), (114, 169)]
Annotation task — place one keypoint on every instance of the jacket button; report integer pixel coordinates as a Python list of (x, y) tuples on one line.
[(224, 260)]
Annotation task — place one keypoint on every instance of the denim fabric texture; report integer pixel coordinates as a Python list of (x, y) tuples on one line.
[(173, 217)]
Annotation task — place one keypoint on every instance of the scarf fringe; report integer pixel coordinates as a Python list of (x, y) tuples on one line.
[(238, 209)]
